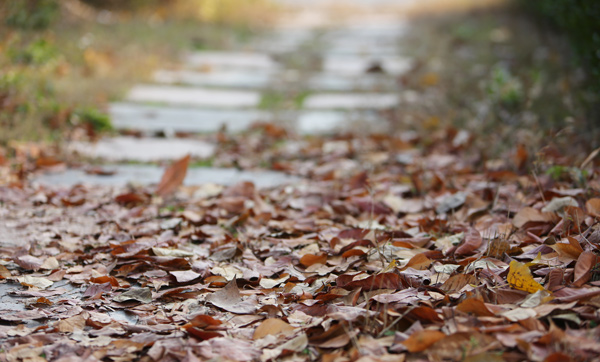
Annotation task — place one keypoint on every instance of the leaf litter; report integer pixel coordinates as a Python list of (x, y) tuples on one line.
[(427, 258)]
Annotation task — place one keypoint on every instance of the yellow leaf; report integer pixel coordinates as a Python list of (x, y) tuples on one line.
[(519, 277), (535, 261), (390, 266)]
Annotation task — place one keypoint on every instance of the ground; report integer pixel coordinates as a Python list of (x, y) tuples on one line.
[(362, 183)]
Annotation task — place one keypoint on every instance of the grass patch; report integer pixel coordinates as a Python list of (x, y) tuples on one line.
[(502, 77), (62, 67)]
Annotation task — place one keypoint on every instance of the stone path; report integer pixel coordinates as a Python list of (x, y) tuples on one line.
[(316, 73)]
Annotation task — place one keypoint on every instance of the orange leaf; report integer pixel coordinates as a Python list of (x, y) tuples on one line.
[(173, 177), (571, 250), (419, 341), (521, 156), (474, 306), (593, 207), (419, 262), (272, 326), (310, 259), (353, 252), (519, 277)]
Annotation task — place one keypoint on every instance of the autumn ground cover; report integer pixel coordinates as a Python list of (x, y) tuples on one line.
[(433, 242)]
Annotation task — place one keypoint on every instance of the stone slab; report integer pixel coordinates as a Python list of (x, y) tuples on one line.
[(223, 59), (339, 82), (215, 78), (142, 149), (193, 96), (356, 65), (352, 101), (329, 122), (150, 118), (150, 174)]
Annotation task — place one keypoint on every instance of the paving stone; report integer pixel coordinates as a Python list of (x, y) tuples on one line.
[(281, 41), (340, 82), (150, 174), (351, 101), (356, 65), (150, 118), (216, 78), (193, 96), (142, 149), (220, 59), (328, 122)]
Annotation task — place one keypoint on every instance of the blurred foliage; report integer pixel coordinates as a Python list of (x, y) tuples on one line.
[(30, 14), (581, 21), (63, 61)]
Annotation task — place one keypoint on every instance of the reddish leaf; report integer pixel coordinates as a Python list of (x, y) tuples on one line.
[(106, 279), (310, 259), (471, 243), (474, 306), (201, 334), (203, 321), (173, 177), (131, 198), (583, 268)]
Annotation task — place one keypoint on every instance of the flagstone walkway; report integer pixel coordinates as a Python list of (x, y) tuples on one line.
[(315, 73)]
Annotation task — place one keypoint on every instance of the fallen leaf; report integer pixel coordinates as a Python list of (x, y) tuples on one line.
[(593, 207), (420, 340), (69, 325), (528, 214), (475, 306), (173, 177), (171, 252), (229, 298), (583, 268), (310, 259), (272, 326), (142, 295), (36, 282), (471, 243), (519, 277)]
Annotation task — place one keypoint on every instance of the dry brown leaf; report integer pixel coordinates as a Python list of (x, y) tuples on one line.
[(272, 326), (583, 268), (529, 214), (471, 243), (71, 324), (419, 262), (456, 282), (419, 341), (310, 259), (475, 306), (4, 273), (229, 298), (173, 177), (593, 207)]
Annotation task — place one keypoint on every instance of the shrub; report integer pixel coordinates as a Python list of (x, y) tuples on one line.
[(30, 14)]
